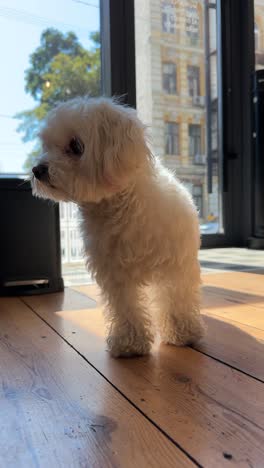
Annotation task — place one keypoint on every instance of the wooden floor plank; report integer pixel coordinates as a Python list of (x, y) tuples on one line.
[(213, 411), (57, 411), (219, 298), (234, 342), (240, 313), (216, 296), (237, 306), (243, 282)]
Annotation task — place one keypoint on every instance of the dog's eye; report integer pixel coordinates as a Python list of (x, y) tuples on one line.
[(76, 146)]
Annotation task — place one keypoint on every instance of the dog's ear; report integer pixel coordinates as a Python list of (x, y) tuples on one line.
[(118, 144)]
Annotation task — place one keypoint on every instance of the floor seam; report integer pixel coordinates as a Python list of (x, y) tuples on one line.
[(231, 366), (190, 457)]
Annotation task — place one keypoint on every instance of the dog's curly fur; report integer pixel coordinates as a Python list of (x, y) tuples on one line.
[(139, 224)]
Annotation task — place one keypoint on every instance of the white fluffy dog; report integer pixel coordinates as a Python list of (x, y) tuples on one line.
[(139, 224)]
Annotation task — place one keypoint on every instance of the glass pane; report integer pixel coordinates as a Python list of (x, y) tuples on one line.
[(177, 95), (259, 34), (51, 52)]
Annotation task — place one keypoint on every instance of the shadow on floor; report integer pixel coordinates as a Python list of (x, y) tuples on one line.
[(214, 296), (231, 267), (229, 343)]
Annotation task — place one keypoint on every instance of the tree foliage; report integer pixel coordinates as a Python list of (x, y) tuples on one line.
[(60, 69)]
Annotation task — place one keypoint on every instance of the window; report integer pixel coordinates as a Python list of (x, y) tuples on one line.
[(75, 245), (188, 185), (179, 64), (214, 133), (197, 193), (73, 211), (172, 138), (194, 141), (193, 77), (196, 190), (169, 78), (168, 17), (256, 34), (192, 24), (63, 210), (63, 245), (59, 58)]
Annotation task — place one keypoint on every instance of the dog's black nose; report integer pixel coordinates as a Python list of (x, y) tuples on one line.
[(40, 171)]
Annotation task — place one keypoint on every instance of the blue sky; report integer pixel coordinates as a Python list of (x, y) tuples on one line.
[(21, 25)]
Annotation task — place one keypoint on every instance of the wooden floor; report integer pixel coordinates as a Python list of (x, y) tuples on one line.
[(65, 403)]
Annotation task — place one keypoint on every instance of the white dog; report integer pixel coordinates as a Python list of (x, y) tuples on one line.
[(139, 224)]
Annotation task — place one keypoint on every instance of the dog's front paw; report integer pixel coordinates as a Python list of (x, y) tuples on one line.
[(129, 342)]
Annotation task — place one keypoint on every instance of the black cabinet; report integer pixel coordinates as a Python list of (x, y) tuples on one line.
[(30, 259)]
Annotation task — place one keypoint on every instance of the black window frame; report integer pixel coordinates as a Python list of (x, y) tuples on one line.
[(237, 58), (118, 50), (237, 55)]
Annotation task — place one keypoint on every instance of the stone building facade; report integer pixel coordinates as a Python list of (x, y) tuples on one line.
[(171, 71)]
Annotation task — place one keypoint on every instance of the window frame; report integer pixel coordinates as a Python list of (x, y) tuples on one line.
[(163, 13), (168, 76), (118, 50), (193, 38), (236, 49), (256, 34), (191, 79), (238, 62), (170, 125), (193, 138), (237, 58), (200, 196)]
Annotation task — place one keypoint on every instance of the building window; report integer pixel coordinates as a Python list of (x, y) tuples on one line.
[(73, 211), (195, 141), (169, 78), (193, 77), (75, 245), (172, 138), (214, 131), (256, 34), (192, 24), (197, 193), (63, 208), (63, 245), (168, 17), (188, 186)]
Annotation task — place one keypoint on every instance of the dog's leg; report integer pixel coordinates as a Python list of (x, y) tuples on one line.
[(129, 330), (179, 318)]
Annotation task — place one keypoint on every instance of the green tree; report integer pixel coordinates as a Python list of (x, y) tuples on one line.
[(60, 69)]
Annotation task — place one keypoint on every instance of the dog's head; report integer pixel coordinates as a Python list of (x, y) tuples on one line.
[(92, 149)]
